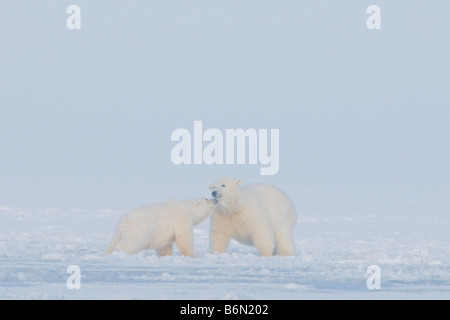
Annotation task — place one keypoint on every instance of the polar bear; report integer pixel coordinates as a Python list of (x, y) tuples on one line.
[(255, 214), (157, 226)]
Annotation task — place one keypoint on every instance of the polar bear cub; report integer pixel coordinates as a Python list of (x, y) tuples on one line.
[(158, 226), (255, 214)]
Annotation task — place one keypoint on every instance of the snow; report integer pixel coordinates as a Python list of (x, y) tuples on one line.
[(333, 253)]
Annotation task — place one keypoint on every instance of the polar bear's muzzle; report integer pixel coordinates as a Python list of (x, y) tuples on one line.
[(216, 195)]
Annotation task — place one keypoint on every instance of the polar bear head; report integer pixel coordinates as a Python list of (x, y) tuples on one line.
[(226, 191), (201, 208)]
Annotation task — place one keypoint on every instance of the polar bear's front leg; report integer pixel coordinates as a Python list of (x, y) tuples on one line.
[(219, 234), (218, 242)]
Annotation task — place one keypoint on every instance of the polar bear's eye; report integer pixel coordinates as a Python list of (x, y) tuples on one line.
[(223, 186)]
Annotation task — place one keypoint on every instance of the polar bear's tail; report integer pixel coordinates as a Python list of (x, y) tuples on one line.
[(112, 244)]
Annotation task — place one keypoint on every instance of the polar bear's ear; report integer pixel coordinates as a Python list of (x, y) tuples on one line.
[(238, 182)]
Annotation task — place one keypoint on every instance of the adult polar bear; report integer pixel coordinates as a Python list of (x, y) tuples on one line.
[(157, 226), (255, 214)]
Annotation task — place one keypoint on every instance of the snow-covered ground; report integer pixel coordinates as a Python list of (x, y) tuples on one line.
[(333, 254)]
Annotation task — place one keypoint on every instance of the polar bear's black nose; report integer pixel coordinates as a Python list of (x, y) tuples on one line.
[(214, 193)]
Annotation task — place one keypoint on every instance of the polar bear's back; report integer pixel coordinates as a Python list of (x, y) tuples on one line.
[(149, 214), (145, 222), (279, 206)]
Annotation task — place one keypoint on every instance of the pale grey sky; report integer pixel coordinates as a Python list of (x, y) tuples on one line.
[(86, 115)]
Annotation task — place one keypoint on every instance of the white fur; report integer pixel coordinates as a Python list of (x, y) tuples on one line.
[(255, 214), (157, 226)]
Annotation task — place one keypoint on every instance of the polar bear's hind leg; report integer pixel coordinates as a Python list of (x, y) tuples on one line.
[(284, 243), (166, 250)]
